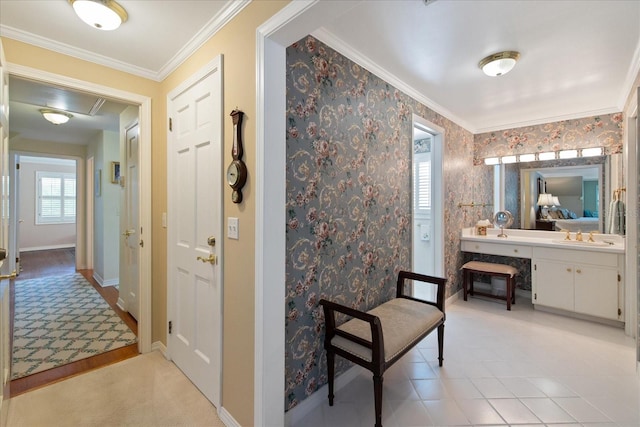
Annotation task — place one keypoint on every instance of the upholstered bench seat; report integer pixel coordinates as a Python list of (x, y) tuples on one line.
[(403, 321), (490, 269), (378, 338)]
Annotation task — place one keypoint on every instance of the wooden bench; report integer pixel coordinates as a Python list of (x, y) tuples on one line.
[(378, 338), (490, 269)]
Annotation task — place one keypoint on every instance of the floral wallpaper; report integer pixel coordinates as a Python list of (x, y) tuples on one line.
[(348, 194), (598, 131)]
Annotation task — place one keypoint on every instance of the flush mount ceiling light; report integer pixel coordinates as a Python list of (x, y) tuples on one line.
[(101, 14), (56, 117), (499, 63)]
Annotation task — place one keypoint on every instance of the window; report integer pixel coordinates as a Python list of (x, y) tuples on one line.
[(422, 182), (56, 197)]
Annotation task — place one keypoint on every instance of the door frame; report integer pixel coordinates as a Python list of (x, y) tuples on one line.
[(144, 114), (296, 20)]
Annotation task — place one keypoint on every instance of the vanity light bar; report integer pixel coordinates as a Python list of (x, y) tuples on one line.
[(568, 154), (527, 157), (492, 161), (549, 155), (590, 152)]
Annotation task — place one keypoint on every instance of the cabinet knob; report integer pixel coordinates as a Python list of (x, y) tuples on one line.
[(569, 270), (578, 271), (515, 250)]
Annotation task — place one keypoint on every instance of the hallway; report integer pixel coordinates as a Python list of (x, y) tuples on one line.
[(35, 264)]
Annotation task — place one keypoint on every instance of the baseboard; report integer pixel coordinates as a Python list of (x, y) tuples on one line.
[(48, 247), (111, 282), (120, 304), (319, 397), (453, 298), (158, 346), (227, 419), (105, 282), (561, 312)]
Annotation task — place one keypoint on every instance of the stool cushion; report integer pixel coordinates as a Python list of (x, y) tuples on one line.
[(489, 267)]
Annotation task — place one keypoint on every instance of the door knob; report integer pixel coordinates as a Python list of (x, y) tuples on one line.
[(211, 260), (211, 241)]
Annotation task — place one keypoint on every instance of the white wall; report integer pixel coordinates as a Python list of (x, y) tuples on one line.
[(34, 236), (105, 149)]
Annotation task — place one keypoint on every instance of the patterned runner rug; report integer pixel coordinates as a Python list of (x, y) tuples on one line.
[(61, 319)]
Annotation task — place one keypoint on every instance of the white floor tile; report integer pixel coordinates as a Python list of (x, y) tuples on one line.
[(430, 389), (513, 411), (491, 388), (547, 410), (410, 413), (480, 412), (446, 412), (521, 387), (581, 410)]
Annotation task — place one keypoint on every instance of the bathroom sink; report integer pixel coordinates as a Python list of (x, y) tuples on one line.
[(581, 243)]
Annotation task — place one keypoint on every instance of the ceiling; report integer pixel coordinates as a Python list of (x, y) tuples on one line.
[(578, 57)]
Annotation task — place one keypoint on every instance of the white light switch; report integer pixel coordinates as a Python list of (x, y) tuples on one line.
[(232, 228)]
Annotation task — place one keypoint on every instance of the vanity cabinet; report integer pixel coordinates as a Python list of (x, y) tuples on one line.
[(578, 281)]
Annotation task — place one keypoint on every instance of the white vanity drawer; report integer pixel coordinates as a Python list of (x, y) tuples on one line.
[(584, 257), (504, 249)]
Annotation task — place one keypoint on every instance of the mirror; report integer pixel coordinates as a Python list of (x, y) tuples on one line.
[(584, 186)]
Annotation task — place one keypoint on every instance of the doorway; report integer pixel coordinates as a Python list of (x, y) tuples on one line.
[(427, 204), (143, 109)]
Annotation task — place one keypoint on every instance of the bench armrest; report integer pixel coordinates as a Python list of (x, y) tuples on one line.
[(377, 341), (438, 281)]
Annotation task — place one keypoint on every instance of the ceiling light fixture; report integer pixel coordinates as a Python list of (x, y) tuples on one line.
[(499, 63), (101, 14), (55, 116)]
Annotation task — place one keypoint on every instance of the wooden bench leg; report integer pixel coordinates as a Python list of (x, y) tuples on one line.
[(465, 282), (331, 357), (440, 343), (377, 391)]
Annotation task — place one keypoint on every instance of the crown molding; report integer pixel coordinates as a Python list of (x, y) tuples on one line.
[(328, 38), (65, 49), (632, 75), (550, 119), (222, 18), (348, 51), (226, 14)]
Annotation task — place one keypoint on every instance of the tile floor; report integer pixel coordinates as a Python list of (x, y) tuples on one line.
[(523, 367)]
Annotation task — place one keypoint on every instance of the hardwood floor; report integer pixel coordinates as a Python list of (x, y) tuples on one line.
[(57, 262)]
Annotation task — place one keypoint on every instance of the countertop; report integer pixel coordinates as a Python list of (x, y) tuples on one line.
[(610, 243)]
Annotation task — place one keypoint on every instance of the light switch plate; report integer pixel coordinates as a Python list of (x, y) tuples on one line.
[(232, 228)]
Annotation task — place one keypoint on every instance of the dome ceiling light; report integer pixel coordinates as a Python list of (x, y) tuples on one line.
[(499, 63), (55, 116), (104, 15)]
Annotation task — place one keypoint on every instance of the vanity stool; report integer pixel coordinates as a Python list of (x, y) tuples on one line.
[(490, 269)]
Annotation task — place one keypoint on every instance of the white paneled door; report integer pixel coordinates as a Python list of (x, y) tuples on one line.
[(131, 233), (195, 228)]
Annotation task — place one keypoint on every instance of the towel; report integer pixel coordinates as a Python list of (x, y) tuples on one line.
[(617, 217)]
